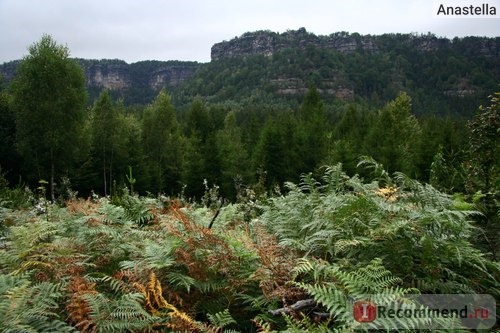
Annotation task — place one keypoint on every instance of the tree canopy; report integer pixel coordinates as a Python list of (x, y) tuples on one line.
[(48, 98)]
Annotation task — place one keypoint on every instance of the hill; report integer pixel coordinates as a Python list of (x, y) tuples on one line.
[(136, 83), (443, 76)]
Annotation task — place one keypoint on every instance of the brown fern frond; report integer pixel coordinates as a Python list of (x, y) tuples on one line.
[(277, 262), (77, 307), (81, 206), (156, 304)]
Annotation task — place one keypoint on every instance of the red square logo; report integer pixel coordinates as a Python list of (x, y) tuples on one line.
[(364, 311)]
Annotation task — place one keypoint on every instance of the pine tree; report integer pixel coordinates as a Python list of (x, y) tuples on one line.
[(232, 155), (162, 143), (105, 125), (394, 136), (312, 129)]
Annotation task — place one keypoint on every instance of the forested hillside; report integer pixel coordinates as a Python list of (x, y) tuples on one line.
[(260, 192), (443, 77)]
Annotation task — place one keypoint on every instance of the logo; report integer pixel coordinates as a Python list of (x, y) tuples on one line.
[(364, 311), (423, 311)]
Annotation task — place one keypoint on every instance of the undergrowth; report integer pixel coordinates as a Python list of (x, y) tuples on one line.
[(137, 264)]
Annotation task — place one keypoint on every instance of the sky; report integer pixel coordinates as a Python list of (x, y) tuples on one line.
[(135, 30)]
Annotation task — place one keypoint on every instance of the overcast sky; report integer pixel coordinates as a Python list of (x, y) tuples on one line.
[(135, 30)]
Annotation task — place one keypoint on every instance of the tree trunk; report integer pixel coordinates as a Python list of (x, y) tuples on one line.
[(104, 174), (52, 171)]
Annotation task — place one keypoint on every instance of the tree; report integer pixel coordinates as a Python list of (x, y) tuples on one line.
[(312, 129), (270, 154), (48, 98), (392, 140), (104, 128), (197, 122), (348, 136), (9, 159), (195, 156), (483, 178), (162, 143), (233, 156)]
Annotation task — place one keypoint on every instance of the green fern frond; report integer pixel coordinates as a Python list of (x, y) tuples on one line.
[(221, 319), (112, 214), (180, 281), (378, 170), (136, 210), (124, 313), (27, 307), (328, 295)]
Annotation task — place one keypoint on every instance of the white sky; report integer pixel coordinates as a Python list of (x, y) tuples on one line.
[(135, 30)]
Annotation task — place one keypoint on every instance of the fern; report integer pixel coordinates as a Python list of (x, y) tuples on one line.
[(221, 319), (154, 255), (27, 307), (137, 211), (335, 289), (112, 214), (416, 229), (124, 313)]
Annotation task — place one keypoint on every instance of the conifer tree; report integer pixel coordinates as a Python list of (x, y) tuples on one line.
[(232, 155), (9, 159), (197, 131), (312, 129), (270, 154), (105, 125), (393, 138), (162, 143), (483, 177)]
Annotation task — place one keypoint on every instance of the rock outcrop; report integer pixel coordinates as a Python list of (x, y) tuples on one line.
[(114, 76), (118, 75), (267, 43)]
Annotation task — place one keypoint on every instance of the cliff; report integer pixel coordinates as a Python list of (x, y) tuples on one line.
[(343, 66), (125, 79), (118, 75), (268, 43)]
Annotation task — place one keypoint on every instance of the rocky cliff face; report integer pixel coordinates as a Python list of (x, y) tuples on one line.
[(170, 76), (383, 64), (267, 43), (109, 76), (118, 75)]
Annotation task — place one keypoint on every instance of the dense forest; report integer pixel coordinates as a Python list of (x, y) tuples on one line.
[(224, 203)]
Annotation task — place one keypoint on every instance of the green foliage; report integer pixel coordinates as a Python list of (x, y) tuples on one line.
[(29, 307), (122, 275), (124, 313), (48, 98), (394, 136), (8, 152), (133, 263), (404, 222), (104, 125), (221, 319), (162, 144), (135, 210), (483, 165), (332, 286)]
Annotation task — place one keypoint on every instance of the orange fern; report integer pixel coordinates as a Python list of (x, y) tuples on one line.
[(157, 305), (77, 307)]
